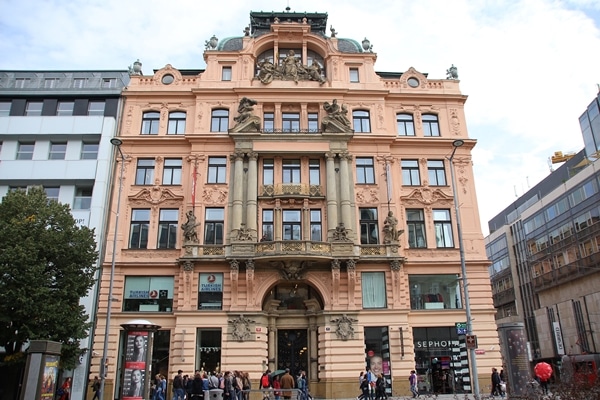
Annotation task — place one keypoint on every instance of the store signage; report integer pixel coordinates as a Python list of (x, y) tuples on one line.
[(560, 348), (429, 344)]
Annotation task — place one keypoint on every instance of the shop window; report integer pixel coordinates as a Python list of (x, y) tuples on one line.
[(148, 294), (434, 292), (208, 349), (373, 290), (210, 292)]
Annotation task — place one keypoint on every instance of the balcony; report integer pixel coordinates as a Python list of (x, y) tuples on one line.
[(504, 297), (568, 273), (291, 190)]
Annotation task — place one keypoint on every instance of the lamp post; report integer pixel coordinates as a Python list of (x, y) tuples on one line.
[(103, 367), (463, 267)]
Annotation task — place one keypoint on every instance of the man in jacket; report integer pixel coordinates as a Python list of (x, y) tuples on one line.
[(287, 382)]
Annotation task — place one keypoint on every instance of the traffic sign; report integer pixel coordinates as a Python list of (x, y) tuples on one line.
[(471, 341)]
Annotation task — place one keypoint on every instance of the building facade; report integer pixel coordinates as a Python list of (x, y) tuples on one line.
[(290, 207), (55, 131), (544, 251)]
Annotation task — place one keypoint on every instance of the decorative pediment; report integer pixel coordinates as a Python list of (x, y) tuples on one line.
[(154, 195), (426, 195)]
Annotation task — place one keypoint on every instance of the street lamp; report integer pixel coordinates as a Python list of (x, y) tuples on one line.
[(463, 267), (103, 367)]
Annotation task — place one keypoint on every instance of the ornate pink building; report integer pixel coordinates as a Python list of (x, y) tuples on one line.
[(290, 207)]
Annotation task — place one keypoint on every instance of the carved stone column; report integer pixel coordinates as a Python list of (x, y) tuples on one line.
[(351, 267), (272, 342), (277, 234), (396, 289), (313, 345), (345, 200), (252, 195), (238, 191), (335, 286), (250, 283), (306, 217), (234, 273), (188, 277), (332, 202)]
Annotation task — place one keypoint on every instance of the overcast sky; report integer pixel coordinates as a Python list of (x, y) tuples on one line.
[(530, 68)]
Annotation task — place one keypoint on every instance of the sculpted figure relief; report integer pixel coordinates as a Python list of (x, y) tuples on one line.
[(336, 119), (291, 68), (189, 228)]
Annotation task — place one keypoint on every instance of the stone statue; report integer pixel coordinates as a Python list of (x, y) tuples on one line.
[(452, 72), (290, 69), (290, 66), (340, 234), (243, 233), (390, 233), (333, 32), (336, 119), (314, 72), (189, 228), (267, 72), (245, 110)]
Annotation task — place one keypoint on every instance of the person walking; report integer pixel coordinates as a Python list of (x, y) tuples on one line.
[(265, 383), (496, 389), (276, 388), (178, 388), (96, 388), (287, 383), (413, 381)]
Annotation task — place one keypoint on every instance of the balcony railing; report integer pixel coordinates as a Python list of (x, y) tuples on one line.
[(291, 190), (568, 272), (504, 297)]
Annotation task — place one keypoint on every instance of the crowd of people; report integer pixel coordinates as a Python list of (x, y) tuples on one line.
[(236, 385)]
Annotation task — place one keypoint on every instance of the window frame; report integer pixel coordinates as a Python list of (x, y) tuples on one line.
[(268, 226), (95, 109), (268, 171), (316, 225), (168, 224), (172, 169), (374, 296), (291, 171), (354, 75), (369, 225), (85, 152), (411, 174), (269, 122), (217, 170), (291, 225), (61, 111), (150, 123), (415, 227), (314, 172), (405, 126), (5, 107), (436, 172), (176, 123), (34, 108), (431, 125), (365, 170), (313, 122), (55, 153), (219, 120), (290, 122), (83, 198), (139, 226), (361, 121), (23, 152), (442, 222), (164, 285), (144, 172), (214, 225), (226, 73)]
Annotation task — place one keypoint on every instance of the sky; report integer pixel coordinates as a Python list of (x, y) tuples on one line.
[(529, 68)]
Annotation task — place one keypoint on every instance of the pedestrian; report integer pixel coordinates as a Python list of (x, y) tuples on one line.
[(96, 388), (380, 388), (178, 388), (287, 383), (265, 383), (413, 380), (372, 379), (160, 387), (276, 388), (302, 386), (364, 387), (496, 389)]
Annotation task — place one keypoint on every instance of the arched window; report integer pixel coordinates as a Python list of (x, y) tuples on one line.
[(362, 122), (406, 124), (150, 122), (219, 120), (431, 125), (176, 123)]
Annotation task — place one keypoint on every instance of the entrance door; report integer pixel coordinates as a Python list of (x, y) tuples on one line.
[(292, 350)]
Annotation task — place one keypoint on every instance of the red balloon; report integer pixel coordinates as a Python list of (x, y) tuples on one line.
[(543, 371)]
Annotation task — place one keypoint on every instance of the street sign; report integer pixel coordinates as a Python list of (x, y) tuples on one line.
[(461, 328), (471, 341)]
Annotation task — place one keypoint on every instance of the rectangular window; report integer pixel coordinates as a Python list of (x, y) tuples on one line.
[(176, 123), (21, 83), (226, 74), (410, 173), (57, 151), (150, 122), (315, 226), (431, 126), (373, 290), (213, 225), (50, 83), (292, 227), (268, 171), (434, 292), (52, 193), (267, 225), (416, 229), (208, 348), (25, 150), (89, 151), (172, 171), (268, 122), (109, 83), (291, 171), (79, 83), (140, 224), (436, 172), (354, 75), (144, 175), (96, 108), (313, 122), (83, 198), (5, 108), (405, 124), (365, 170), (65, 108), (33, 108), (210, 292), (369, 232), (217, 167), (443, 229), (362, 121), (148, 293), (314, 172), (219, 121), (167, 228), (290, 122)]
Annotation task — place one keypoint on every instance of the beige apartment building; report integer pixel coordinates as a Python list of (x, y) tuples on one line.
[(290, 207)]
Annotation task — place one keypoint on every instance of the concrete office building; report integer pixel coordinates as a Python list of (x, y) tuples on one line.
[(55, 128), (319, 232)]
